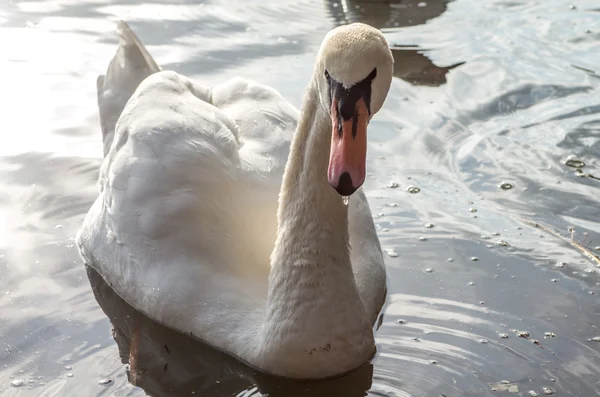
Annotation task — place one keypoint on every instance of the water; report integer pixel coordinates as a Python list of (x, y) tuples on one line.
[(487, 93)]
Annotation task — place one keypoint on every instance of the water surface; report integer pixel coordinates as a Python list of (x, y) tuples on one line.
[(486, 93)]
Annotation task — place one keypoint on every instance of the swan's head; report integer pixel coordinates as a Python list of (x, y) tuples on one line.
[(354, 73)]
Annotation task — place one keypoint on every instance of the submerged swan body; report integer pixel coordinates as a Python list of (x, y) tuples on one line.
[(220, 212)]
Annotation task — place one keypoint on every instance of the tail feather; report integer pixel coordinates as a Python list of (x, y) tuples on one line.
[(131, 64), (128, 38)]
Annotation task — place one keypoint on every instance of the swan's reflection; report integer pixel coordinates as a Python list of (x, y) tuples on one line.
[(410, 63), (166, 363)]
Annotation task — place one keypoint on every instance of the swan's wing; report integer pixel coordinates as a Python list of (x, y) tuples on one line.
[(366, 255), (171, 171), (266, 122), (183, 194), (131, 64), (169, 230)]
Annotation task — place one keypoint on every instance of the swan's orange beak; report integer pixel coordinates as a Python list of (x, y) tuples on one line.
[(348, 155)]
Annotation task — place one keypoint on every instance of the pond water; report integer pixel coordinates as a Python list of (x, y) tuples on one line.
[(494, 275)]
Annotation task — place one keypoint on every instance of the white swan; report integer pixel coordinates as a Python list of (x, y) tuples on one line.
[(197, 192)]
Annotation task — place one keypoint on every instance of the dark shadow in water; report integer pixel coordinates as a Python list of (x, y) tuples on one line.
[(410, 63), (166, 363), (412, 66), (385, 14), (588, 71)]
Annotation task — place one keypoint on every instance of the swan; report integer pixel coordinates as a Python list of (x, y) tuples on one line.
[(225, 213)]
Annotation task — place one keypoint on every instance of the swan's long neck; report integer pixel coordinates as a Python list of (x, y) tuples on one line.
[(313, 306), (312, 218)]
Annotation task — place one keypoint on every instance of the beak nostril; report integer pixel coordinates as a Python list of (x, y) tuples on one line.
[(345, 187)]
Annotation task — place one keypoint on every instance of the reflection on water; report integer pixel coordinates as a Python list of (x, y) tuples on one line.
[(415, 68), (385, 14), (167, 364), (410, 64), (486, 93)]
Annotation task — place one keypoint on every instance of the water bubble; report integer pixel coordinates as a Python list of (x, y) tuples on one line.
[(104, 381), (421, 4), (413, 189), (594, 339), (574, 162), (549, 334), (471, 283), (429, 270), (506, 186), (392, 253), (17, 383), (554, 280), (560, 265), (503, 335), (68, 368), (532, 393), (474, 258), (432, 362), (547, 390), (450, 259), (502, 243), (431, 226), (401, 321), (423, 238), (472, 209), (597, 248), (392, 204), (393, 185), (69, 375), (483, 341), (496, 234), (481, 302), (485, 237)]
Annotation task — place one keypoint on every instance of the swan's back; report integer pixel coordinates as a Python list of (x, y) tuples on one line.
[(182, 194)]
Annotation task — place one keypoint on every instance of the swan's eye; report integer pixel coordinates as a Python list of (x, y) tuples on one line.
[(327, 75)]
